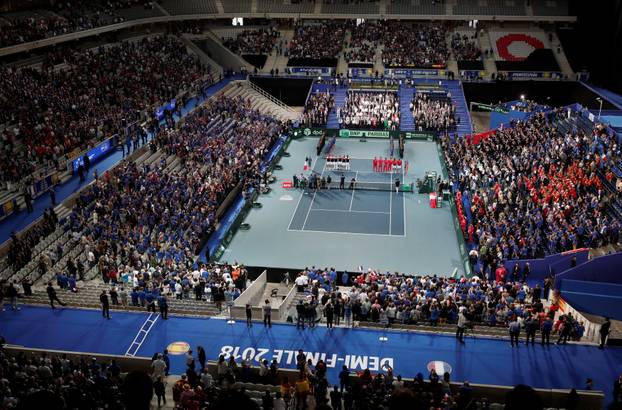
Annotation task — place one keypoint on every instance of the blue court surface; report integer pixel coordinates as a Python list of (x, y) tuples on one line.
[(371, 207), (480, 360)]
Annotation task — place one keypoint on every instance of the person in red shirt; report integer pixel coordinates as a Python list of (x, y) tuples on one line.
[(375, 166), (500, 274)]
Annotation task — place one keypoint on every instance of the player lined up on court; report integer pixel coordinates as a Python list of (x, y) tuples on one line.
[(388, 164), (338, 162)]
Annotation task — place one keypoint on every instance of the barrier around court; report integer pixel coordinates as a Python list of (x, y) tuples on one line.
[(126, 363), (251, 296)]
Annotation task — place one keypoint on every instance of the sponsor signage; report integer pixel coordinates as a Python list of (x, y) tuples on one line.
[(365, 133), (94, 153), (490, 107), (309, 70), (414, 72), (523, 75)]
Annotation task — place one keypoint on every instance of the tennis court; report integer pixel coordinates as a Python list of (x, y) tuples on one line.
[(369, 206), (347, 228)]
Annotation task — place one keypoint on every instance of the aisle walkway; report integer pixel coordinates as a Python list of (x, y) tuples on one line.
[(340, 98)]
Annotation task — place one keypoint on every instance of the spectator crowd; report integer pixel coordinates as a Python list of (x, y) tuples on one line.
[(535, 190), (57, 382), (64, 17), (370, 109), (50, 113), (259, 41), (317, 109), (465, 47), (394, 298), (317, 41), (363, 43), (433, 113), (141, 226), (156, 215), (421, 46)]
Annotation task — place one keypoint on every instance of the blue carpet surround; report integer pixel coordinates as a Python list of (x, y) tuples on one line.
[(480, 360)]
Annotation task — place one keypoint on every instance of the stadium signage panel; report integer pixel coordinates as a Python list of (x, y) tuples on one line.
[(95, 153), (429, 136), (361, 72), (309, 70), (414, 72), (308, 132), (490, 107), (159, 112), (520, 75), (472, 73), (367, 134)]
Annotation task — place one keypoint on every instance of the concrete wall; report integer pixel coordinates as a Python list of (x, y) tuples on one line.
[(250, 295), (126, 363), (223, 56)]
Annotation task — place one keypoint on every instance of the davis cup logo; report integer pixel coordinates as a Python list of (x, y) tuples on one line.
[(307, 132), (178, 348), (440, 367)]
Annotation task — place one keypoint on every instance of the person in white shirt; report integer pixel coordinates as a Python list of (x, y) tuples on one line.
[(178, 290), (301, 282), (158, 368), (462, 322), (90, 257)]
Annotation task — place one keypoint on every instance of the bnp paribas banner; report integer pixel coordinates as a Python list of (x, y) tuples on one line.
[(367, 134)]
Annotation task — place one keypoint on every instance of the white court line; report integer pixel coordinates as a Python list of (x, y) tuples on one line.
[(346, 233), (353, 189), (134, 342), (391, 203), (300, 199), (353, 211), (312, 199), (296, 209), (404, 211)]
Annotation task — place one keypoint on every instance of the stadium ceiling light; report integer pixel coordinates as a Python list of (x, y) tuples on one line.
[(522, 96)]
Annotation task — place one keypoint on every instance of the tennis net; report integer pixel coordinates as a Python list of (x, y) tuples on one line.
[(359, 186)]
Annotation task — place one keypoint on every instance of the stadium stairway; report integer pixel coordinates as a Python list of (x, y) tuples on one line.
[(340, 99), (407, 121), (462, 109)]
